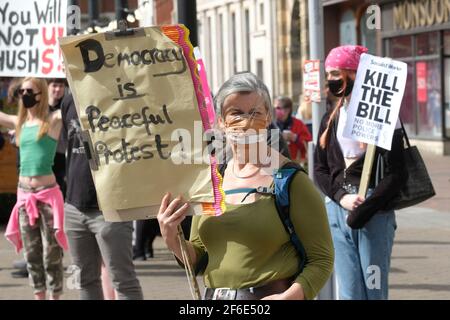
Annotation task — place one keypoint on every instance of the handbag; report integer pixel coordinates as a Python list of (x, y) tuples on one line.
[(418, 186)]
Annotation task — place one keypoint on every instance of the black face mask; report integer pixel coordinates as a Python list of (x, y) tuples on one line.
[(335, 87), (29, 100)]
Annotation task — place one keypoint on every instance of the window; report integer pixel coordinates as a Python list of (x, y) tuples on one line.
[(447, 97), (447, 43), (347, 28), (400, 47), (233, 41), (247, 39), (408, 107), (427, 43), (428, 84), (221, 48), (261, 13), (421, 109), (368, 36), (260, 69), (200, 34), (208, 55)]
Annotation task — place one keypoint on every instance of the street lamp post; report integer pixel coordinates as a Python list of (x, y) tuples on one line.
[(187, 15), (317, 52), (93, 13)]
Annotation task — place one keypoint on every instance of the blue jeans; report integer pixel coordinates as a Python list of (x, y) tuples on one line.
[(362, 256)]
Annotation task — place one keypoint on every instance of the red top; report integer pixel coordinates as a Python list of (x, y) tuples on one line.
[(297, 149)]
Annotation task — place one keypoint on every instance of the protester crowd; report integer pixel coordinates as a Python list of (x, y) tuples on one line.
[(263, 247)]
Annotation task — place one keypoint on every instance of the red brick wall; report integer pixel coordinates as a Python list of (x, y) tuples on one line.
[(163, 12), (106, 5)]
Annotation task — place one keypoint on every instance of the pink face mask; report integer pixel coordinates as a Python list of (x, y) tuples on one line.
[(280, 113)]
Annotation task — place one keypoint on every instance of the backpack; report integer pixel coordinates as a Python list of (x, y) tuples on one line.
[(282, 179)]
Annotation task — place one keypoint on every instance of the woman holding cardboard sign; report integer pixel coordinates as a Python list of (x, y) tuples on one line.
[(247, 251), (362, 255), (36, 222)]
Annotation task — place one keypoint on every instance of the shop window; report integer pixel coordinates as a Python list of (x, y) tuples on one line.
[(421, 109), (447, 43), (447, 97), (407, 109), (368, 36), (400, 47), (347, 28), (427, 43), (429, 102)]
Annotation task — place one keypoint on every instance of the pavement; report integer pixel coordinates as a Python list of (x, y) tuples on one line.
[(419, 268)]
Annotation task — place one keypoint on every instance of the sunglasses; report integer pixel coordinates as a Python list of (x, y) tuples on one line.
[(26, 91), (282, 108)]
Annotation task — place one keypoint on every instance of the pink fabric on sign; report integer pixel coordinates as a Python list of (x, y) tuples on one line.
[(51, 196), (206, 92), (345, 57)]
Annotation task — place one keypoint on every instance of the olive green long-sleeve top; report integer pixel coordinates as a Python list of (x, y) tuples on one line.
[(248, 245)]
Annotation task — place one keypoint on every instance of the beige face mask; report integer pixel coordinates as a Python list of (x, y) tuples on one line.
[(245, 128)]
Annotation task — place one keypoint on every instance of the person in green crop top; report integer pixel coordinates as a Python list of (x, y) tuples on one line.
[(249, 252), (36, 222)]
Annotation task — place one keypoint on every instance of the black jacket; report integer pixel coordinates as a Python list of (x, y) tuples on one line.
[(330, 174), (80, 191)]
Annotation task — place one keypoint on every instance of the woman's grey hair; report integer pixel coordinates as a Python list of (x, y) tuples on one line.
[(243, 82)]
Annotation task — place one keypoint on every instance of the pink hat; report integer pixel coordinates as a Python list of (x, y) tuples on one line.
[(345, 57)]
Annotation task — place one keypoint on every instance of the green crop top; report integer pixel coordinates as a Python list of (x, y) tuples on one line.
[(36, 155)]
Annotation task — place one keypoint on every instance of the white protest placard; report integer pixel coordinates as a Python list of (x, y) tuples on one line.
[(376, 99), (29, 32), (311, 80)]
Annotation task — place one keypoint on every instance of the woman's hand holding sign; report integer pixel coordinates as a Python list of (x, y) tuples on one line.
[(170, 215), (351, 201)]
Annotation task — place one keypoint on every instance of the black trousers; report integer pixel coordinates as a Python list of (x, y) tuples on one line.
[(146, 232)]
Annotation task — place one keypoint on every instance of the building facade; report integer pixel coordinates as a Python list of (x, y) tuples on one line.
[(261, 36), (235, 36), (345, 22), (418, 33)]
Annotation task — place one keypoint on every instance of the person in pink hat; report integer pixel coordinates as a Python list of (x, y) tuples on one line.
[(362, 228)]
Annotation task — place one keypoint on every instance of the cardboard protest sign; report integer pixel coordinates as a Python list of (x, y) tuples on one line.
[(29, 32), (311, 80), (376, 98), (137, 98)]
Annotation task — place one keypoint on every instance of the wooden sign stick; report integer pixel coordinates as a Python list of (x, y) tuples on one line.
[(193, 285), (367, 170)]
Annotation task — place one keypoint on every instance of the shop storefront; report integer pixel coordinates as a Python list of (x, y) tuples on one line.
[(345, 23), (418, 33)]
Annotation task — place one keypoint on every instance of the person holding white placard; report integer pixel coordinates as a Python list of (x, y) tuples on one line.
[(362, 228)]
